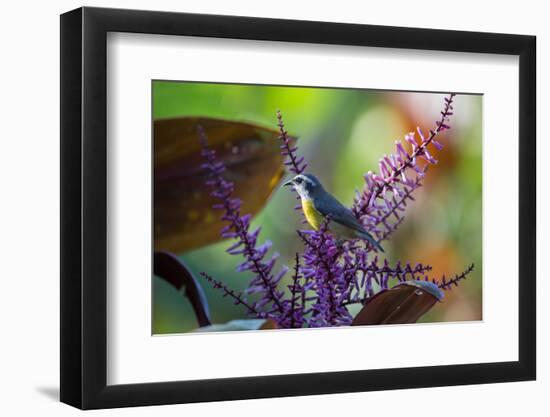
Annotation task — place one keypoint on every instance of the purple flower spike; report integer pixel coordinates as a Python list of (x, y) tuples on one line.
[(296, 164), (395, 182), (264, 281)]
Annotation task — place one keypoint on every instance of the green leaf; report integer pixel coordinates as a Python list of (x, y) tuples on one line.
[(239, 325)]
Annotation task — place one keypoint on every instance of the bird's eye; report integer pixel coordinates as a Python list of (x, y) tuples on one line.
[(298, 181)]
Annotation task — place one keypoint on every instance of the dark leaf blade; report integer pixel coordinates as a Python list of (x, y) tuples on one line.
[(168, 267), (403, 304), (183, 215)]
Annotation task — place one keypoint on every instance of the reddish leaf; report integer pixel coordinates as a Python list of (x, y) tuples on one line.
[(404, 303), (183, 215)]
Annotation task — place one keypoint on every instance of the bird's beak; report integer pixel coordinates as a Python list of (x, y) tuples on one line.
[(289, 182)]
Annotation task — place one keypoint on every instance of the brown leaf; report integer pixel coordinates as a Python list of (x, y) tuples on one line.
[(402, 304), (183, 215), (170, 268), (269, 324)]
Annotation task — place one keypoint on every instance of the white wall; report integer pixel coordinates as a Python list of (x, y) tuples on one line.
[(29, 238)]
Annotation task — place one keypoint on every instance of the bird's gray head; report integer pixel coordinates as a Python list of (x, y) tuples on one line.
[(307, 185)]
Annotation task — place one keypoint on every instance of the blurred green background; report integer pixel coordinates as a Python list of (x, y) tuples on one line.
[(342, 133)]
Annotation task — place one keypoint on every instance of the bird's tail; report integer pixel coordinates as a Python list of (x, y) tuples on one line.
[(368, 237)]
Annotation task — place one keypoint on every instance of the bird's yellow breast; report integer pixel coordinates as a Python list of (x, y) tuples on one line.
[(313, 217)]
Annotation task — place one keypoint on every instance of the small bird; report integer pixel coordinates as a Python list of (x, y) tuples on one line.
[(318, 204)]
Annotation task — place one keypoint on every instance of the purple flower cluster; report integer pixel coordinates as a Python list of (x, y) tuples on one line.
[(375, 275), (328, 276), (330, 282)]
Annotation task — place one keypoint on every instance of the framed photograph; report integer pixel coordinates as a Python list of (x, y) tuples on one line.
[(258, 208)]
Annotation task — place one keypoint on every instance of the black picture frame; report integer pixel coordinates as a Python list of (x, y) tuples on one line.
[(84, 207)]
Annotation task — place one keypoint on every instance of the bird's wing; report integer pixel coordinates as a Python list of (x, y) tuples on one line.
[(330, 206)]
